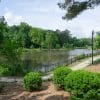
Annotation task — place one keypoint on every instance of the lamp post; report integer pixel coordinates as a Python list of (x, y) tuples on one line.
[(92, 44)]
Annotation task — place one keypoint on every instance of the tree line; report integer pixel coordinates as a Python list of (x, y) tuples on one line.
[(27, 36)]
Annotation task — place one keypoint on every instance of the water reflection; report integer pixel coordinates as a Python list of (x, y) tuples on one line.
[(47, 60)]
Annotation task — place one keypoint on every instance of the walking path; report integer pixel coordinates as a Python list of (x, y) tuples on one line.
[(84, 63), (47, 77)]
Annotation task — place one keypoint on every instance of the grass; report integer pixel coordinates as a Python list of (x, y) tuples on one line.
[(41, 49)]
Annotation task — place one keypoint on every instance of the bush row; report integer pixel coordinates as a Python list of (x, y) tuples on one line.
[(82, 85), (33, 81)]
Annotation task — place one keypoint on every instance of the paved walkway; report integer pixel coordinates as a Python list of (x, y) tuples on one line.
[(84, 63), (47, 77)]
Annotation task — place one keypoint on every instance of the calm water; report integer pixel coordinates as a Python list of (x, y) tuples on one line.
[(47, 60)]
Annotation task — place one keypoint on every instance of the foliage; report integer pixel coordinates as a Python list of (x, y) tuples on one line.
[(27, 36), (75, 7), (98, 40), (51, 40), (20, 33), (3, 29), (24, 35), (12, 53), (4, 70), (37, 36), (59, 74), (8, 70), (32, 81), (2, 85), (83, 85), (17, 70), (64, 37)]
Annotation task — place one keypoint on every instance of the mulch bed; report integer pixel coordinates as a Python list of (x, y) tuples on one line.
[(94, 68), (13, 91)]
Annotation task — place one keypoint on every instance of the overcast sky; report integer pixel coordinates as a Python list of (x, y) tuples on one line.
[(46, 14)]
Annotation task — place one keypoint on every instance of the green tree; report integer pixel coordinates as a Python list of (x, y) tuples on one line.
[(51, 40), (24, 38), (75, 7), (11, 52), (3, 28), (13, 34), (37, 36), (20, 34), (64, 37), (83, 42), (98, 40)]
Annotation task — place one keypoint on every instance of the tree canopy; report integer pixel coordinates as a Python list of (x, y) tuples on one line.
[(27, 36), (75, 7), (3, 28), (98, 40)]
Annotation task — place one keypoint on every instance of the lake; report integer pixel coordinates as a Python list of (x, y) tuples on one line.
[(45, 60)]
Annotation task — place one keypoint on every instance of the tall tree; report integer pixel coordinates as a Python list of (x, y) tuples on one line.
[(12, 53), (3, 28), (75, 7), (98, 40), (37, 36), (51, 40), (14, 34), (64, 37), (24, 30)]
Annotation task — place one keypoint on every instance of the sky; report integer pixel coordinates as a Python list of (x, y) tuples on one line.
[(47, 15)]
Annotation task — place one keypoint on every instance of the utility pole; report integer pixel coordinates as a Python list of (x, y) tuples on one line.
[(92, 44)]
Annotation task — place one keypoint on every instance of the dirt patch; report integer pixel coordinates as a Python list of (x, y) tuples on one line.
[(14, 91), (94, 68)]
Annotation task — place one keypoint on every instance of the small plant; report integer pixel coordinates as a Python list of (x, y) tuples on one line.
[(4, 70), (32, 81), (83, 85), (59, 74)]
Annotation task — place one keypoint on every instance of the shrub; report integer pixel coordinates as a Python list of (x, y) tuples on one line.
[(32, 81), (83, 85), (17, 70), (4, 70), (59, 74), (1, 87), (7, 70)]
